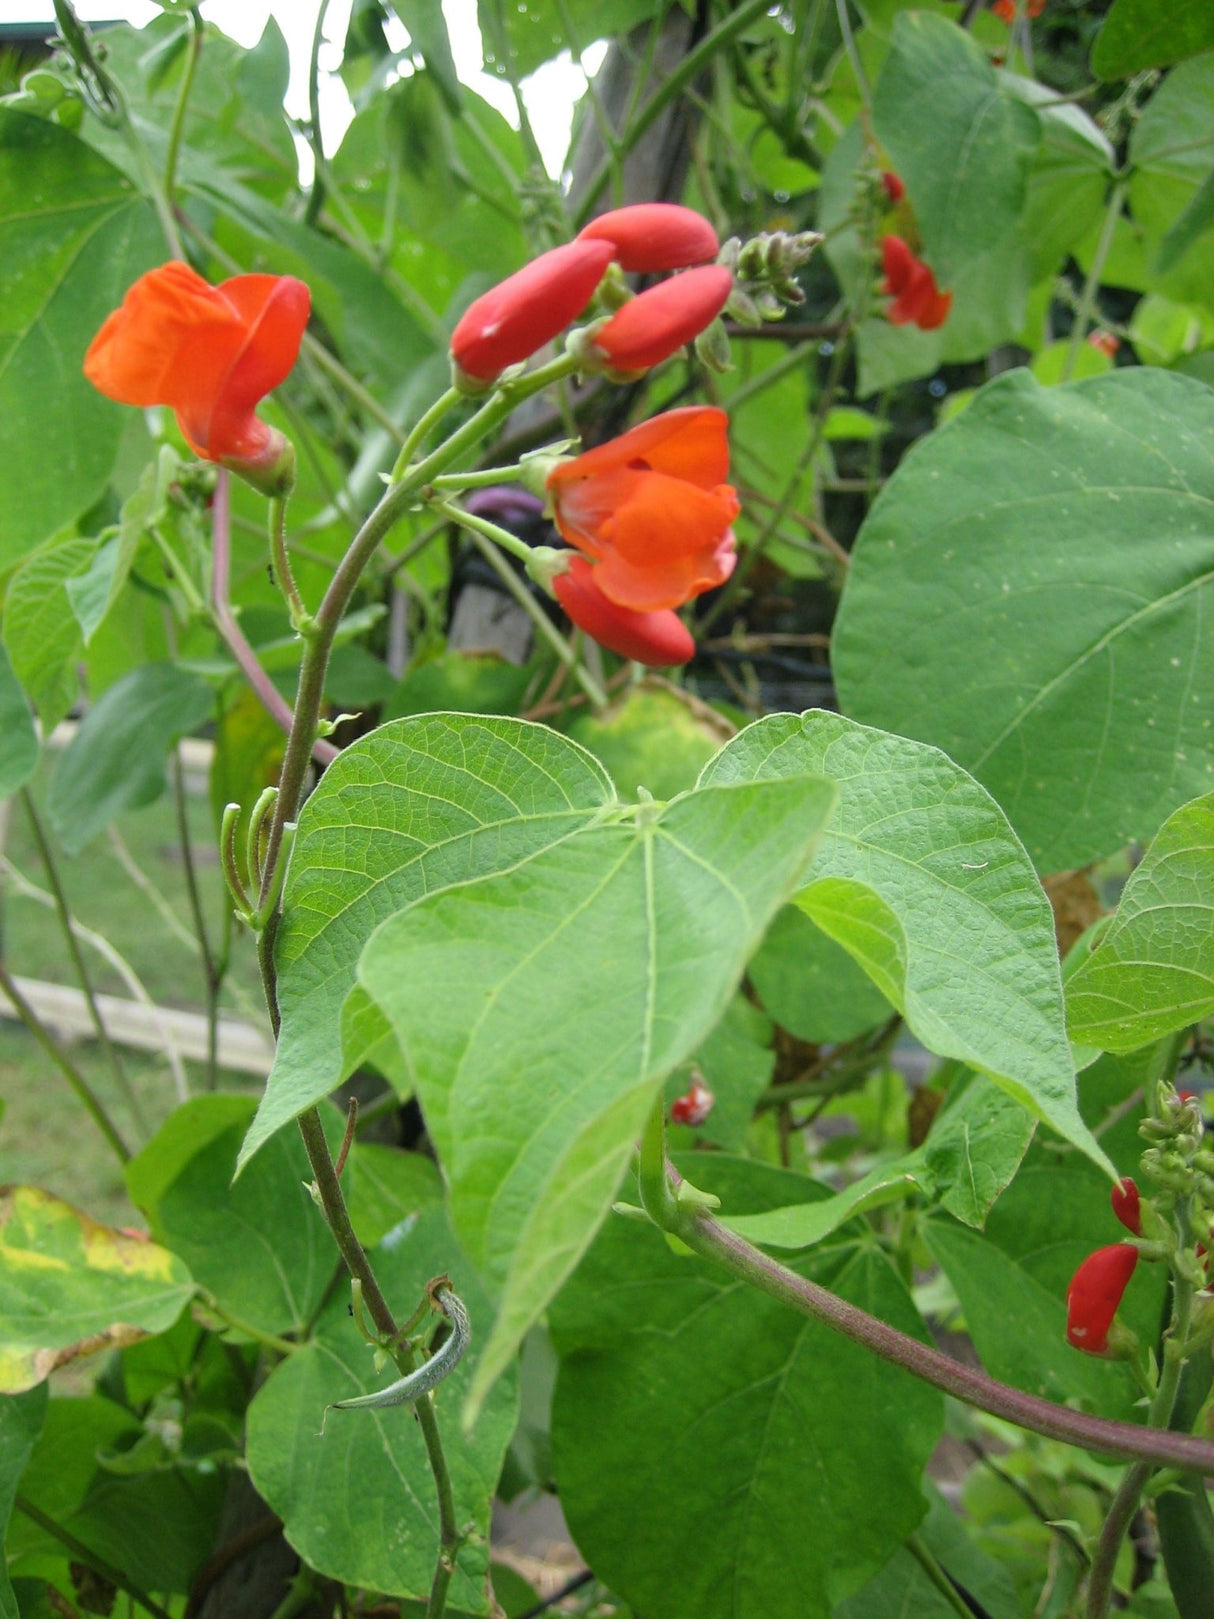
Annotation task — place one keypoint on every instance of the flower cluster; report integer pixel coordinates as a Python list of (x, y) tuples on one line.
[(918, 301), (211, 354), (1005, 10), (507, 324)]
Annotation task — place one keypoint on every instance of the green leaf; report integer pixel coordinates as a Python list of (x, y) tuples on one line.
[(93, 593), (428, 34), (116, 761), (459, 797), (711, 1415), (1196, 220), (1069, 177), (537, 1011), (18, 739), (21, 1419), (384, 1186), (74, 234), (69, 1286), (810, 985), (1170, 158), (656, 738), (40, 629), (258, 1245), (923, 882), (904, 1590), (1072, 580), (1152, 969), (517, 40), (971, 1154), (121, 1492), (959, 143), (1138, 34), (357, 1501)]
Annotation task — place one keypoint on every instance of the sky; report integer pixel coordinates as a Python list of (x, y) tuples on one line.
[(550, 93)]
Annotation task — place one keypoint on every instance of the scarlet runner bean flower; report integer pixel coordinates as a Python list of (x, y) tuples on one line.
[(652, 510), (655, 325), (650, 236), (511, 321), (1127, 1205), (210, 354), (918, 301), (659, 639), (1005, 10), (892, 186), (1094, 1294)]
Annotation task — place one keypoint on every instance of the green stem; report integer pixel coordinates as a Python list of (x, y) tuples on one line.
[(282, 564), (482, 526), (687, 71), (543, 624), (183, 100), (317, 194), (1129, 1491), (337, 1214), (281, 1346), (417, 435), (918, 1550), (479, 480), (706, 1236), (212, 977), (853, 56), (1091, 285), (63, 912), (88, 1557), (64, 1063)]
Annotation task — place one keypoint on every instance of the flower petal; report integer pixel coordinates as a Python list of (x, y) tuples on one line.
[(649, 236), (659, 639), (688, 443), (655, 325)]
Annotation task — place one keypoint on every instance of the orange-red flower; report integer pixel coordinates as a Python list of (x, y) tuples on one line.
[(209, 353), (649, 236), (659, 639), (918, 301), (1006, 9), (655, 325), (526, 310), (652, 510), (892, 186)]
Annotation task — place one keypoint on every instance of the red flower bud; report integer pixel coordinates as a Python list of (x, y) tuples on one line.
[(526, 310), (656, 325), (695, 1106), (1127, 1205), (918, 301), (211, 354), (659, 639), (650, 236), (1094, 1294), (1103, 342), (894, 189)]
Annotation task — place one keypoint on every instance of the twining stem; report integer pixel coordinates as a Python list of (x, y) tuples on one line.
[(89, 1558), (272, 700), (197, 33), (63, 912), (1091, 285), (84, 1091), (1129, 1491), (696, 1227), (282, 562), (338, 1216)]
